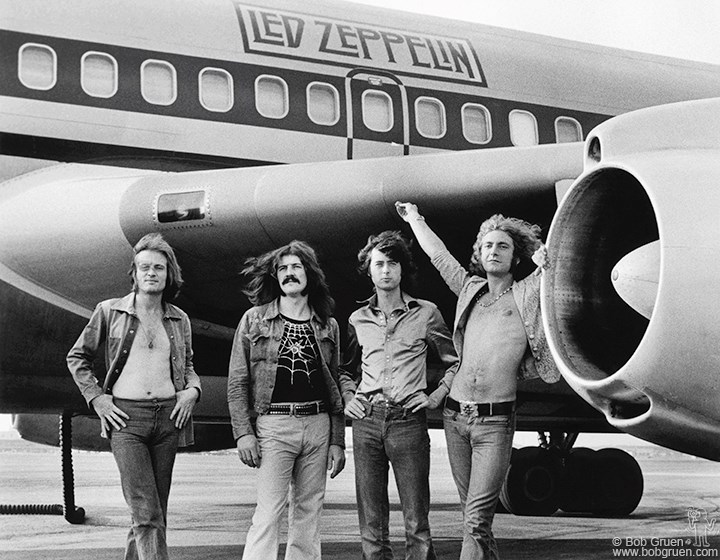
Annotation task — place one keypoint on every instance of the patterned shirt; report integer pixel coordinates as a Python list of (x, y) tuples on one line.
[(298, 377)]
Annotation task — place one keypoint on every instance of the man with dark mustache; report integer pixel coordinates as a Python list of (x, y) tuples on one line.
[(284, 368)]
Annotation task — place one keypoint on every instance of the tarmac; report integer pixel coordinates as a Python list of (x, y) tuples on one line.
[(213, 498)]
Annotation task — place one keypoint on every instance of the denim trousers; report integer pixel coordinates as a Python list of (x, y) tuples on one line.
[(479, 450), (293, 468), (391, 435), (145, 452)]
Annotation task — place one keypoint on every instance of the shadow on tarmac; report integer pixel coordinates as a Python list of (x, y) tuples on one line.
[(510, 549)]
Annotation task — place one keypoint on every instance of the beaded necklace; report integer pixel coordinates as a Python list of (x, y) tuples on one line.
[(495, 300)]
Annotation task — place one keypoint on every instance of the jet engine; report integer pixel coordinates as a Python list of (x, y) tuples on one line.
[(631, 301)]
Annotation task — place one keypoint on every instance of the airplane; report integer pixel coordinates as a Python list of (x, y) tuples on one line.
[(234, 127)]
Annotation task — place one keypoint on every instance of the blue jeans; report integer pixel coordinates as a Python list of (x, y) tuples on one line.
[(479, 450), (389, 434), (294, 453), (145, 455)]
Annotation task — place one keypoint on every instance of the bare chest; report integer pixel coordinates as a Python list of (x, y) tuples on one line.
[(147, 372)]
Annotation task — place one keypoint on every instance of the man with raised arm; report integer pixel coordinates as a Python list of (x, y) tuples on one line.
[(499, 339), (284, 369)]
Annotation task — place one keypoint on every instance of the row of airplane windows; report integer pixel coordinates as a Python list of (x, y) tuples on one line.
[(37, 69)]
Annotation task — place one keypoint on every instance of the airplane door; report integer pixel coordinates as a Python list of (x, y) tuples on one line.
[(377, 113)]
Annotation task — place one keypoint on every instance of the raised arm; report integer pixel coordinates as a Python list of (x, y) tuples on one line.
[(426, 237), (450, 269)]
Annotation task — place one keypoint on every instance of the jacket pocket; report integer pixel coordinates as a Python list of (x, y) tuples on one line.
[(258, 343)]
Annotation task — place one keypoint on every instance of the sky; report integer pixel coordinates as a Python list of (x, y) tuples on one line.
[(680, 28)]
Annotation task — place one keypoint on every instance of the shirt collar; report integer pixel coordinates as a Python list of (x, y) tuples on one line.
[(273, 311), (127, 305), (410, 302)]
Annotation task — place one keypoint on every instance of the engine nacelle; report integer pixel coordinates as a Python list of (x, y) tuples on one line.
[(643, 347)]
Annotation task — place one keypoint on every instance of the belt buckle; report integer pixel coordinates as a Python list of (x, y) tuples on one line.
[(469, 409)]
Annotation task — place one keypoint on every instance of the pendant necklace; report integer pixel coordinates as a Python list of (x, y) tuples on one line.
[(150, 339), (496, 299)]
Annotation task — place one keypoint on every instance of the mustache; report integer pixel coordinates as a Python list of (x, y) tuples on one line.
[(289, 279)]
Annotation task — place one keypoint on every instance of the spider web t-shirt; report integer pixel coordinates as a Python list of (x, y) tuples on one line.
[(299, 376)]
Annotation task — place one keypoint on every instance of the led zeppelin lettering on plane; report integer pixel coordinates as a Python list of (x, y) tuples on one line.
[(341, 43)]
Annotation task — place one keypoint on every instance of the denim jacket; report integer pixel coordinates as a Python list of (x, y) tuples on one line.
[(538, 361), (114, 323), (253, 367)]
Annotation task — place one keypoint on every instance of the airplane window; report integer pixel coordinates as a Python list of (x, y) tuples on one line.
[(377, 110), (477, 126), (430, 117), (37, 66), (99, 74), (216, 90), (181, 207), (323, 102), (271, 97), (523, 128), (568, 130), (158, 82)]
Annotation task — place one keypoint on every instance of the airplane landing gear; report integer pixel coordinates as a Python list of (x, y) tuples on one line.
[(532, 484), (541, 480), (72, 514), (607, 482)]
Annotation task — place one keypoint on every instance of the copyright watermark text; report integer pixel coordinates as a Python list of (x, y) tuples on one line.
[(699, 526), (656, 547)]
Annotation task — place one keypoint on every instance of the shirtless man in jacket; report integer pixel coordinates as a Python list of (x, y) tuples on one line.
[(499, 339)]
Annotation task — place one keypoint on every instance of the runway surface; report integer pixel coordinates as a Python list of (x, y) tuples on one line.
[(213, 498)]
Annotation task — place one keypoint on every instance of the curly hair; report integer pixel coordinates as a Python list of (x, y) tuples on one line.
[(156, 242), (263, 287), (394, 245), (525, 236)]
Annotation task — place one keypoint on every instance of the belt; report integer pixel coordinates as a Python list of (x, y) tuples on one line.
[(480, 409), (298, 409), (380, 400)]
